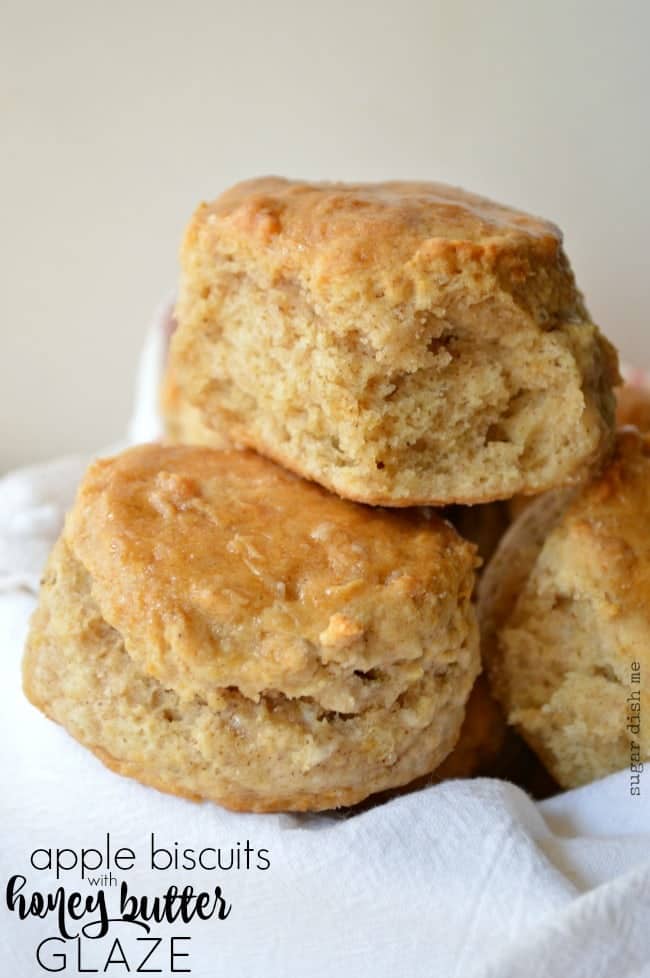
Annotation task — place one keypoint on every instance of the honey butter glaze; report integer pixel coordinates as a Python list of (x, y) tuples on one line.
[(411, 210), (221, 570), (385, 238)]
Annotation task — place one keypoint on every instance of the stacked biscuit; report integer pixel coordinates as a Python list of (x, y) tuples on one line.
[(215, 625)]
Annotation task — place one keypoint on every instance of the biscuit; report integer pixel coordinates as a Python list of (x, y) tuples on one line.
[(633, 406), (565, 620), (481, 525), (217, 627), (482, 738), (399, 343)]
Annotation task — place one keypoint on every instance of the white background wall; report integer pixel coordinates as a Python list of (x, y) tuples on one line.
[(117, 118)]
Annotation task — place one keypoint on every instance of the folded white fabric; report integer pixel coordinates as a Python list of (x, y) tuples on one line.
[(469, 878)]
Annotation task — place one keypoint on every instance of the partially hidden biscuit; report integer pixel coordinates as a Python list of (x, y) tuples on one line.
[(483, 525), (482, 738), (633, 406), (564, 609), (216, 627), (399, 343)]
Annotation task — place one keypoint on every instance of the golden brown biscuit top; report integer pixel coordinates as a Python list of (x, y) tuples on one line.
[(225, 565), (309, 213), (335, 229), (604, 534)]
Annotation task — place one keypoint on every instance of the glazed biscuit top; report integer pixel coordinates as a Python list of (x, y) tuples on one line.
[(601, 545), (388, 234), (403, 211), (221, 569)]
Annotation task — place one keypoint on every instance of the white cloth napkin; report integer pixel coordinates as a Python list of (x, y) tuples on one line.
[(468, 878)]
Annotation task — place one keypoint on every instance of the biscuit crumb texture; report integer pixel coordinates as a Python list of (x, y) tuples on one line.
[(399, 343), (218, 628), (565, 621)]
